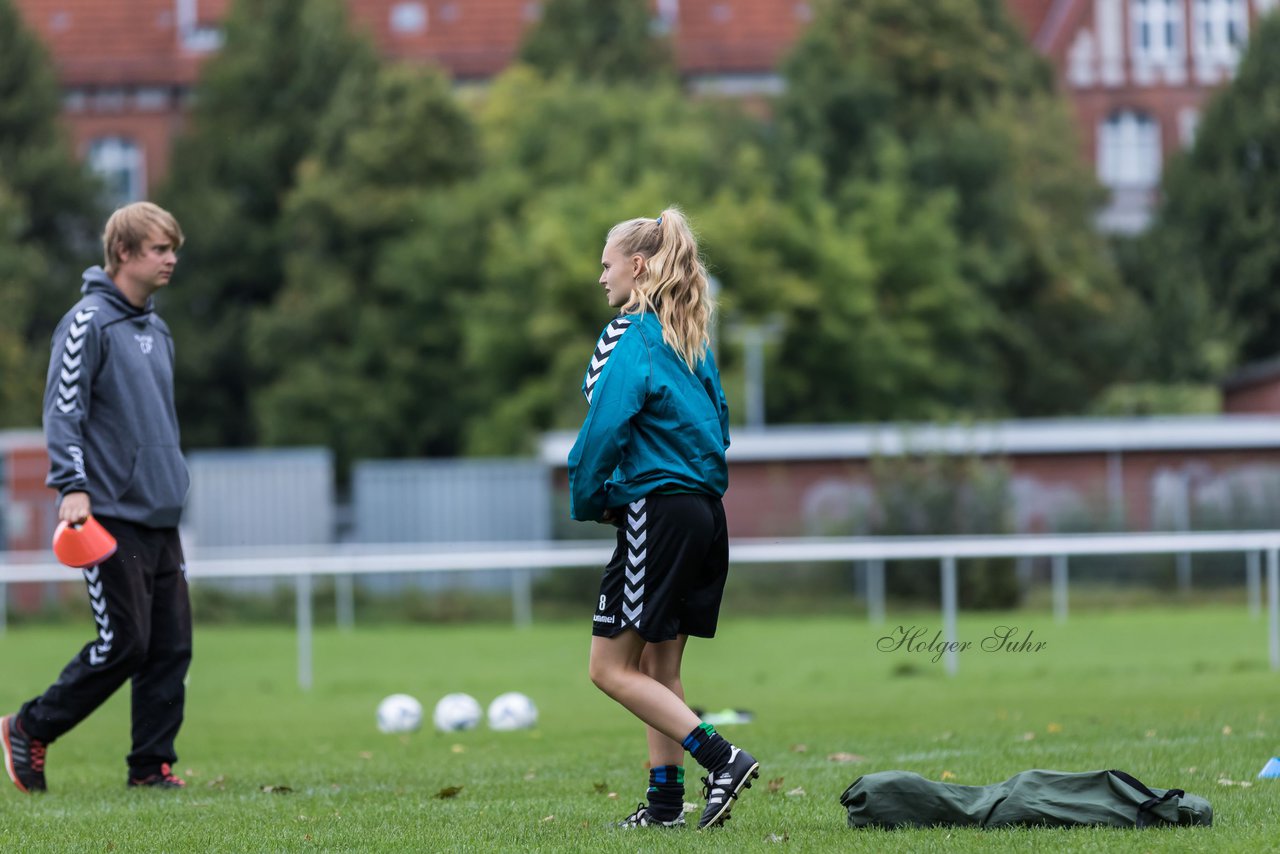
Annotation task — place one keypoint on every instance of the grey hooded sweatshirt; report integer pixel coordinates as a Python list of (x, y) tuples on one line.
[(109, 418)]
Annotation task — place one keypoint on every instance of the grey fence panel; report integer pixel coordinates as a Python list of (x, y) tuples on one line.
[(259, 497), (450, 501)]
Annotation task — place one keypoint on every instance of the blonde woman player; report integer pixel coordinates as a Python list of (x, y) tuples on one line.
[(650, 459)]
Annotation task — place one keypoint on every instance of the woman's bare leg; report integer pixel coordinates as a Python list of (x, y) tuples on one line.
[(615, 669), (661, 662)]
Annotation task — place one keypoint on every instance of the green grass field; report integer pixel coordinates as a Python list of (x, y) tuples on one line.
[(1179, 697)]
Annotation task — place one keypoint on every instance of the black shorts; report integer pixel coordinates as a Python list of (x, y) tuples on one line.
[(666, 577)]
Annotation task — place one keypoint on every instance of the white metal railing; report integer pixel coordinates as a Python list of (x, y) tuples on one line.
[(344, 561)]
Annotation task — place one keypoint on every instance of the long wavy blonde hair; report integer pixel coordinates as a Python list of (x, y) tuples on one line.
[(673, 283)]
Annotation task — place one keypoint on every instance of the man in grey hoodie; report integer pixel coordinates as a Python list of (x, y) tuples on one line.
[(112, 435)]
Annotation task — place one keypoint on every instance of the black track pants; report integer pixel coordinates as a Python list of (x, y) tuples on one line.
[(142, 615)]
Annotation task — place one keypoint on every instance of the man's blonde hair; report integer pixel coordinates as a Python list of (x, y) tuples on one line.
[(130, 225)]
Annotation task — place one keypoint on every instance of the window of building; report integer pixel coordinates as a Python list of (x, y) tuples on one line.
[(1129, 153), (110, 100), (196, 34), (151, 99), (1221, 28), (1082, 60), (1188, 124), (75, 100), (666, 16), (408, 19), (119, 162), (1157, 31)]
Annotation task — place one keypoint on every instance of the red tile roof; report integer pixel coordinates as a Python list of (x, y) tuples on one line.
[(139, 42), (110, 43), (475, 38), (480, 37), (719, 36)]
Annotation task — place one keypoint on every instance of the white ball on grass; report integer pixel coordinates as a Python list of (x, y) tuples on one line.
[(399, 713), (511, 711), (456, 712)]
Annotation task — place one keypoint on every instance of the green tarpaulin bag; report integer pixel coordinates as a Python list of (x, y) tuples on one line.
[(891, 799)]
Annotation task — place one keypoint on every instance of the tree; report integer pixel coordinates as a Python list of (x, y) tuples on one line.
[(872, 303), (1190, 339), (22, 277), (1212, 252), (607, 40), (564, 161), (955, 88), (49, 212), (358, 349), (258, 107)]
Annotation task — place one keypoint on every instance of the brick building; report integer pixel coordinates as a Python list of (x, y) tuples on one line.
[(127, 67), (1137, 71), (1253, 389), (1137, 474)]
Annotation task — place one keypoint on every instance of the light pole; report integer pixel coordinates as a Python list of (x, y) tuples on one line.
[(754, 337)]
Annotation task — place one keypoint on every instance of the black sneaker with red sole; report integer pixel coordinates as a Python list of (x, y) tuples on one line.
[(23, 756), (162, 779)]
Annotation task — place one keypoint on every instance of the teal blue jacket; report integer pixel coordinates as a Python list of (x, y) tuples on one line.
[(652, 425)]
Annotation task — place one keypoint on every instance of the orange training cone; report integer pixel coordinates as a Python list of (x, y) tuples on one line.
[(84, 545)]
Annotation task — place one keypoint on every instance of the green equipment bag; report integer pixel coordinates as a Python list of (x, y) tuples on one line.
[(892, 799)]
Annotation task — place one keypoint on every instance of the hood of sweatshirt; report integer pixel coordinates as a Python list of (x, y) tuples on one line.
[(98, 283)]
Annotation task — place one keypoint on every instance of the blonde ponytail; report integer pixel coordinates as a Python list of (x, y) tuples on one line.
[(673, 283)]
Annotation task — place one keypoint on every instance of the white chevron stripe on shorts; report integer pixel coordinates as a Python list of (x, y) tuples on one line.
[(637, 551)]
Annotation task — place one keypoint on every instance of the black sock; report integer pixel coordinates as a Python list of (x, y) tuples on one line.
[(666, 791), (707, 747)]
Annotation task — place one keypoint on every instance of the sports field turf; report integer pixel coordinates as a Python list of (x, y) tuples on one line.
[(1179, 697)]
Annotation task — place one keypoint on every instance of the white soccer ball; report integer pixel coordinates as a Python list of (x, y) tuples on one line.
[(512, 710), (399, 713), (456, 711)]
